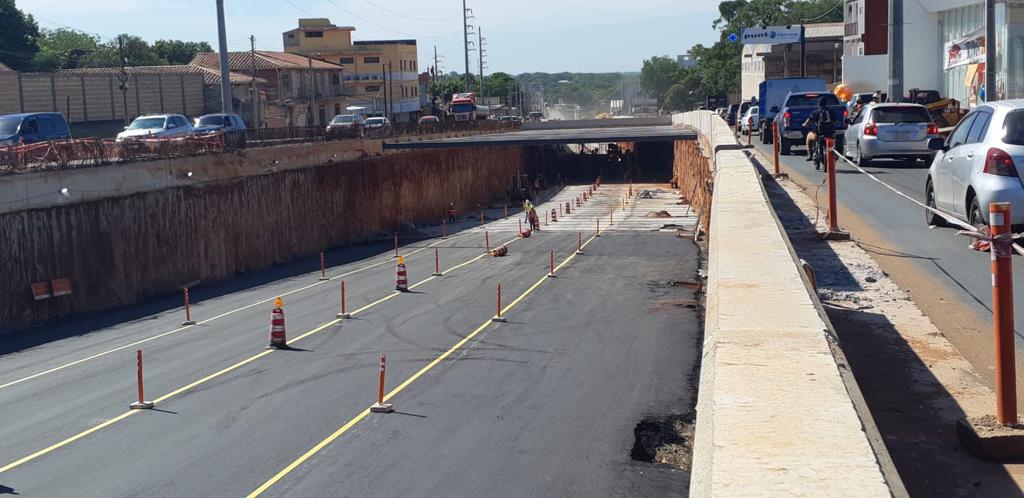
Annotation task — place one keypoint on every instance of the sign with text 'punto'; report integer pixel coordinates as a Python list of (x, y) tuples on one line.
[(770, 35)]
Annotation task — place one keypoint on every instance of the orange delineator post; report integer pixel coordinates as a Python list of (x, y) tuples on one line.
[(598, 232), (141, 403), (344, 313), (833, 217), (750, 132), (551, 273), (323, 267), (487, 241), (396, 245), (579, 243), (380, 406), (437, 262), (520, 228), (1002, 312), (188, 310), (497, 316), (775, 145)]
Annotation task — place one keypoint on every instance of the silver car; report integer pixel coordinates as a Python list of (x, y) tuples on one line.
[(748, 124), (977, 165), (895, 131), (157, 126)]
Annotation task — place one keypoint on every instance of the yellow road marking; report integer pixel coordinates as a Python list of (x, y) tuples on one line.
[(210, 377), (355, 420), (208, 320)]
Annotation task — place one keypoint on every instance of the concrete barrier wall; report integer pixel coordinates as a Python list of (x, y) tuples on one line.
[(775, 414), (120, 249), (597, 123)]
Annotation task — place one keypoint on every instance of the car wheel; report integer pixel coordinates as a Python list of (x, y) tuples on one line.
[(931, 217), (975, 216), (861, 160), (784, 146)]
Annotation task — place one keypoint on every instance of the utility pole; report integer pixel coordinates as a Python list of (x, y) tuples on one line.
[(123, 77), (480, 52), (384, 78), (255, 98), (391, 89), (896, 50), (465, 38), (225, 77), (991, 87), (803, 51)]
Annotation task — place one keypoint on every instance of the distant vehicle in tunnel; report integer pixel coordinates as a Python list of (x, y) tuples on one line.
[(892, 131), (977, 165)]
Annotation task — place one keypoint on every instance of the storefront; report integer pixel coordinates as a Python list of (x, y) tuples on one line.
[(1009, 23), (962, 32)]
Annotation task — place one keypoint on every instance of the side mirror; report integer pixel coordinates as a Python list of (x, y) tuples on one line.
[(126, 127), (937, 144), (848, 121), (775, 108)]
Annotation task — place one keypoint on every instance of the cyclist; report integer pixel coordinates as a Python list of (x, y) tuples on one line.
[(824, 127)]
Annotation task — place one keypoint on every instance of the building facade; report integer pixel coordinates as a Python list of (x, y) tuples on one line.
[(383, 74), (823, 55)]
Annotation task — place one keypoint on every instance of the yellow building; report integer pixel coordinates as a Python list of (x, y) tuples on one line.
[(375, 71)]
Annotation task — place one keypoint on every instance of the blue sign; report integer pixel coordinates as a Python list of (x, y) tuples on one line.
[(733, 37)]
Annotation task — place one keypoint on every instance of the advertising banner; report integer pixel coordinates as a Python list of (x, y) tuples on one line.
[(770, 35), (967, 50)]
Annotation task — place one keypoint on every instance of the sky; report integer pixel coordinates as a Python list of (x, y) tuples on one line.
[(520, 36)]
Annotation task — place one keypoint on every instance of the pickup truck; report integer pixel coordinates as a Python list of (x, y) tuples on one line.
[(772, 96), (795, 111)]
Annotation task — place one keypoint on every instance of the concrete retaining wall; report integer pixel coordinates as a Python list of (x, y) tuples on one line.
[(239, 215), (597, 123), (775, 414)]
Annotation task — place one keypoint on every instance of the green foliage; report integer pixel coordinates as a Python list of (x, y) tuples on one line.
[(657, 76), (18, 37), (498, 84), (62, 49), (136, 51), (179, 52), (678, 98)]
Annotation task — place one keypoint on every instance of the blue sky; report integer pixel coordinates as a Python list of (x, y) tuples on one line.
[(521, 36)]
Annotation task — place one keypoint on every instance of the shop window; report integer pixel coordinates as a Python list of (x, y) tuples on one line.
[(347, 60), (371, 60), (314, 34), (372, 88)]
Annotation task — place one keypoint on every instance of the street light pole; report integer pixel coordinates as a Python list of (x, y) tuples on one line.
[(225, 77)]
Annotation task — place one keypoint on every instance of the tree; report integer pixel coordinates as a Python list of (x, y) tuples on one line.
[(136, 51), (678, 98), (18, 37), (178, 51), (62, 48), (657, 75)]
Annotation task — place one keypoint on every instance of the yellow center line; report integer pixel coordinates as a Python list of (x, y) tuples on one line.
[(355, 420), (208, 320), (212, 376)]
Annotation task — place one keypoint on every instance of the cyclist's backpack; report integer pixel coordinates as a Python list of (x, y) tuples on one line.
[(826, 127)]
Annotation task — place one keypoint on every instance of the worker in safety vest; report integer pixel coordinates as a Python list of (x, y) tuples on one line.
[(451, 212), (527, 207)]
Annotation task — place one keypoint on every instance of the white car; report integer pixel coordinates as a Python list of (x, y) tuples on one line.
[(343, 121), (977, 165), (377, 123), (749, 121), (894, 131), (157, 126)]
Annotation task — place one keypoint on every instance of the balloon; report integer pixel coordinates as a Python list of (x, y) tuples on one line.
[(843, 92)]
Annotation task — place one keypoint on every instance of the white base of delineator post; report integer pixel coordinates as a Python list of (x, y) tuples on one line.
[(343, 315), (141, 405), (188, 322), (436, 274), (382, 408), (498, 319)]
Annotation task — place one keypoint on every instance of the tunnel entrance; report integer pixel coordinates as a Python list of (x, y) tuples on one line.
[(613, 162)]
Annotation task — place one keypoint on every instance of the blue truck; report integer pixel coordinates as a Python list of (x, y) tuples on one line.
[(772, 96), (794, 113)]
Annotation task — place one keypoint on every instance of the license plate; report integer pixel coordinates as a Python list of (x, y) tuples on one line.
[(901, 136)]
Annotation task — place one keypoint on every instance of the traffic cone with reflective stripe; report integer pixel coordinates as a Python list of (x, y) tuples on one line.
[(278, 339), (402, 278)]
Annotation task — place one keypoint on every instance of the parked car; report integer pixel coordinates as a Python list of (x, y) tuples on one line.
[(892, 131), (977, 165), (218, 122), (749, 120), (157, 126), (377, 123), (344, 121), (794, 113), (33, 127), (428, 120)]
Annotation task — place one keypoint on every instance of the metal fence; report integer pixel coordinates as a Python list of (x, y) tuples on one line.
[(85, 152)]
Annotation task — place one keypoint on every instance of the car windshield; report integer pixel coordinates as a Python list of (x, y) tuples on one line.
[(811, 100), (9, 126), (344, 118), (463, 107), (375, 121), (905, 114), (1013, 127), (212, 121), (147, 124)]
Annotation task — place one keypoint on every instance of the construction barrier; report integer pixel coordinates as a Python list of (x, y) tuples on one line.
[(278, 339), (500, 251), (554, 216), (401, 276)]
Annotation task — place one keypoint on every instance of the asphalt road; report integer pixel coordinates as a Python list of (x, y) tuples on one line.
[(938, 252), (544, 404)]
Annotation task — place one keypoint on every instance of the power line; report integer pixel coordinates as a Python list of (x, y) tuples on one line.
[(357, 16), (399, 14), (300, 9)]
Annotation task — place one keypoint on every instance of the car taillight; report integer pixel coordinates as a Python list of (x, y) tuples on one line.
[(933, 129), (845, 113), (786, 117), (871, 129), (998, 162)]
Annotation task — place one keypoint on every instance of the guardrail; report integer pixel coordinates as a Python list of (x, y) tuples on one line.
[(85, 152)]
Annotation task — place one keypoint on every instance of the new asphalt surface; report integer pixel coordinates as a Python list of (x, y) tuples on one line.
[(545, 403)]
